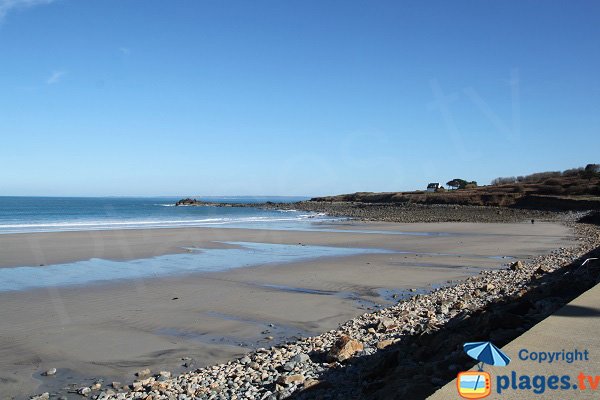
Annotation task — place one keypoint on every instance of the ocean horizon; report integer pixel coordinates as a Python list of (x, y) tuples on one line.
[(24, 214)]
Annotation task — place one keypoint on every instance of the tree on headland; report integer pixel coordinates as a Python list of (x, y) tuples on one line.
[(506, 180), (591, 171), (573, 171), (458, 183)]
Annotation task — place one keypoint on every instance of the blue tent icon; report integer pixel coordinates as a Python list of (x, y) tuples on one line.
[(486, 353)]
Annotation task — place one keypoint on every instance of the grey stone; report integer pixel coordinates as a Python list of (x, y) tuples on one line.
[(289, 366), (300, 358), (143, 373), (245, 360)]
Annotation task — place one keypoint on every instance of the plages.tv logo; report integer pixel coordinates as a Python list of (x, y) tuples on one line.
[(478, 384)]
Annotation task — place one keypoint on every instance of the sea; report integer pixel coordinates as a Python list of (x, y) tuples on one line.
[(55, 214)]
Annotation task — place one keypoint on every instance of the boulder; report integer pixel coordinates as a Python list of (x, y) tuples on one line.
[(84, 391), (165, 374), (386, 324), (289, 366), (143, 373), (489, 287), (286, 380), (344, 348), (245, 360), (517, 266), (544, 269), (443, 308), (384, 343), (310, 383), (300, 358)]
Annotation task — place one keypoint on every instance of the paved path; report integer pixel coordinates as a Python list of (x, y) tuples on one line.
[(575, 326)]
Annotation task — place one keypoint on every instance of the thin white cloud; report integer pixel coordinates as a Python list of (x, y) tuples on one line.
[(55, 77), (7, 6), (125, 50)]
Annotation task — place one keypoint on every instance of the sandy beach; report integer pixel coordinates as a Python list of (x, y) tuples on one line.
[(112, 329)]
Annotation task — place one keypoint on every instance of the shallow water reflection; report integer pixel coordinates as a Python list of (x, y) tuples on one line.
[(195, 261)]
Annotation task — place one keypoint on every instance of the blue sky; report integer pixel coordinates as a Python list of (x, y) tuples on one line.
[(120, 97)]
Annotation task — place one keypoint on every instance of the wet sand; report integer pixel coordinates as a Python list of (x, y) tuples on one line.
[(111, 330)]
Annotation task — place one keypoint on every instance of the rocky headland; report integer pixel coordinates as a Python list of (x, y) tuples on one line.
[(405, 212), (411, 212)]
